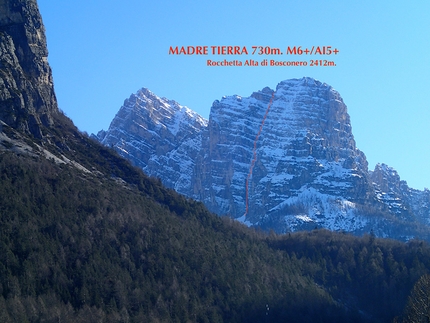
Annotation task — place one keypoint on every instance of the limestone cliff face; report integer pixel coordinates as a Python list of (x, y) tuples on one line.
[(395, 194), (291, 148), (158, 135), (305, 158), (27, 98), (305, 144)]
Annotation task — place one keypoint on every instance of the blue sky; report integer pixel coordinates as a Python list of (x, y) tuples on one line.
[(103, 51)]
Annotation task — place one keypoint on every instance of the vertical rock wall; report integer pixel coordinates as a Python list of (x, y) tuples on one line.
[(27, 98)]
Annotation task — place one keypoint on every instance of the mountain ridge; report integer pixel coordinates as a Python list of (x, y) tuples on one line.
[(306, 160)]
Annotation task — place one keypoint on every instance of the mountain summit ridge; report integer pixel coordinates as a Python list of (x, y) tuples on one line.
[(307, 171), (151, 120)]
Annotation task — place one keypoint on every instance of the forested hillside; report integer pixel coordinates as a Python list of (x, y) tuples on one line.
[(113, 245)]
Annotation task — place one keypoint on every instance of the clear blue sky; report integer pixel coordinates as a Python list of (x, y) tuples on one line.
[(103, 51)]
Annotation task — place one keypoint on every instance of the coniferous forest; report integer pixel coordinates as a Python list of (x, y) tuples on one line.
[(115, 246)]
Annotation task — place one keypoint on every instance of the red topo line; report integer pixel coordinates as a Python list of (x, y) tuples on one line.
[(254, 156)]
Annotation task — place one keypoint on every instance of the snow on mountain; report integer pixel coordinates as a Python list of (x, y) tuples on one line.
[(306, 169), (158, 135), (306, 142), (395, 194)]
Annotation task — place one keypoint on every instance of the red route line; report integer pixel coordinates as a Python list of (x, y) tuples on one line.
[(254, 157)]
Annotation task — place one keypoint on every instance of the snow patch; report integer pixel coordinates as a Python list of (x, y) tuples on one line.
[(243, 219)]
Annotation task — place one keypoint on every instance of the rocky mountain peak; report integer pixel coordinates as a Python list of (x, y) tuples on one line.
[(151, 131), (387, 179), (298, 138), (283, 159), (27, 98), (264, 95), (305, 144)]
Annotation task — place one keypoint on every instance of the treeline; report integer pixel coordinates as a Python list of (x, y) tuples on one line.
[(115, 246)]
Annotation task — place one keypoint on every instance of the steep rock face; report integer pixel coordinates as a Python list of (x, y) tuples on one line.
[(291, 151), (305, 144), (298, 138), (27, 98), (407, 203), (158, 135)]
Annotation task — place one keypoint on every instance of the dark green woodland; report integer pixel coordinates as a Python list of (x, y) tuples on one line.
[(115, 246)]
